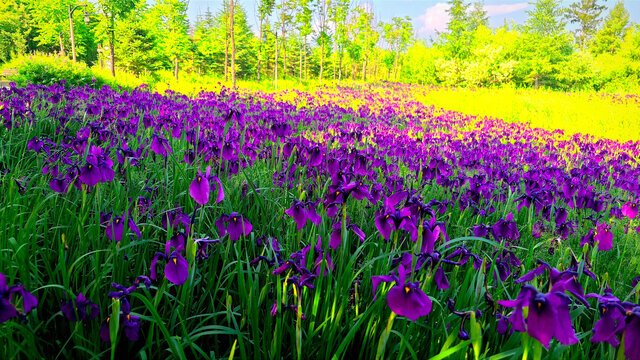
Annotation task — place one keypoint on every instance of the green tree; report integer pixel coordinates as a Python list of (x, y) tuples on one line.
[(16, 29), (459, 29), (323, 37), (545, 19), (303, 21), (610, 38), (478, 16), (338, 14), (544, 45), (168, 22), (585, 13), (398, 35), (136, 46), (265, 9), (367, 36), (112, 12), (209, 35)]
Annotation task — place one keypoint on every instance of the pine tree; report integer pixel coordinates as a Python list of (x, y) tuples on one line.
[(544, 44), (478, 16), (586, 13), (610, 38), (459, 35)]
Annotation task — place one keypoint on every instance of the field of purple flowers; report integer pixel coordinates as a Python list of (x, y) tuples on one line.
[(340, 223)]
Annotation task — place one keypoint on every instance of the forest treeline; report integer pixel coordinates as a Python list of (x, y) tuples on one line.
[(336, 39)]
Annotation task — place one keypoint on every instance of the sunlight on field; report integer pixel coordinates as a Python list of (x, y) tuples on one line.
[(571, 112)]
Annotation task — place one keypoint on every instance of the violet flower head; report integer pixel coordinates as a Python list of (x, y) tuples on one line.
[(630, 210), (79, 309), (302, 211), (200, 190), (176, 269), (405, 298), (548, 316), (7, 308), (235, 224)]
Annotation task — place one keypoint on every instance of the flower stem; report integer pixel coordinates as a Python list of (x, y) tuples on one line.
[(382, 344)]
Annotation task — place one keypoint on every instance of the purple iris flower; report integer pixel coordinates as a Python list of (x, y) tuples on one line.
[(229, 149), (463, 255), (79, 309), (601, 235), (160, 145), (115, 228), (630, 210), (90, 174), (612, 318), (235, 224), (302, 211), (315, 157), (35, 144), (7, 309), (405, 298), (176, 269), (559, 280), (506, 228), (131, 323), (336, 234), (59, 185), (548, 315), (199, 188)]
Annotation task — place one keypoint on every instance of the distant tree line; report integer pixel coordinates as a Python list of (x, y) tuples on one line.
[(336, 39)]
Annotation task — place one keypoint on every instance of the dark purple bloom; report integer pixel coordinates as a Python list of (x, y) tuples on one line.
[(630, 210), (35, 144), (199, 188), (160, 145), (405, 298), (90, 174), (336, 235), (59, 185), (506, 228), (7, 309), (235, 224), (177, 268), (548, 316), (115, 228), (302, 211), (603, 237), (79, 309)]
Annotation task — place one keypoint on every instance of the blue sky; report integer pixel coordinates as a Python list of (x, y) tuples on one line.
[(428, 16)]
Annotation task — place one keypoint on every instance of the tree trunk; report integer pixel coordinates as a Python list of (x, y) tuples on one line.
[(321, 59), (395, 68), (113, 53), (364, 70), (61, 44), (306, 69), (275, 64), (259, 50), (284, 48), (176, 68), (233, 46), (300, 72), (340, 67), (335, 64), (226, 45)]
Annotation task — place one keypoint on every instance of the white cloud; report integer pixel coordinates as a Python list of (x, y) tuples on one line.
[(435, 18), (494, 10)]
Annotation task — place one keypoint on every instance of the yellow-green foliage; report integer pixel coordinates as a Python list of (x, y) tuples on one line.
[(572, 112)]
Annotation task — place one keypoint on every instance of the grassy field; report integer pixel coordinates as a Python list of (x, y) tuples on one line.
[(339, 222)]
